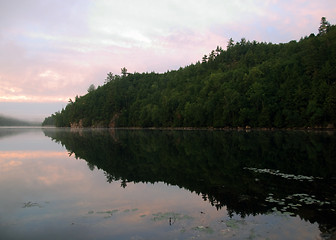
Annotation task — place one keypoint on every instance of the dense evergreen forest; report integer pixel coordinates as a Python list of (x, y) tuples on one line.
[(215, 164), (253, 84)]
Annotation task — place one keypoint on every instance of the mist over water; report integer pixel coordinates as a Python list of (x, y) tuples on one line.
[(29, 111)]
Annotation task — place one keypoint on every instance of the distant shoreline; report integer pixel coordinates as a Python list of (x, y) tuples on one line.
[(22, 127), (248, 129)]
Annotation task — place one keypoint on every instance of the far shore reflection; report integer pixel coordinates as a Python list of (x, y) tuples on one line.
[(164, 184), (249, 173)]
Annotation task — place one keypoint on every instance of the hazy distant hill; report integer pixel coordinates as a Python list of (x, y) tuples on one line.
[(8, 121), (253, 84)]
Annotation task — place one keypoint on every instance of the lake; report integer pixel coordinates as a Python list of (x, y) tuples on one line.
[(165, 184)]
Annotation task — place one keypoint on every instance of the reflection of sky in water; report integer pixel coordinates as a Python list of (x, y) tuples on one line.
[(45, 194), (17, 139)]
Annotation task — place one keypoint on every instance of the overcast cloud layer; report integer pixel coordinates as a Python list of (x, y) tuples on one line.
[(52, 50)]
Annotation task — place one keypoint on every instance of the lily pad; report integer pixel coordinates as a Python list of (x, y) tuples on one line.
[(30, 204), (235, 224), (110, 212), (170, 216), (204, 229), (283, 175)]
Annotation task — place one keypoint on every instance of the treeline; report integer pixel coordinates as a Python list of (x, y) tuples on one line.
[(213, 164), (8, 121), (248, 84)]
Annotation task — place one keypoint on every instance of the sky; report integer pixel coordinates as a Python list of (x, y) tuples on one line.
[(53, 50)]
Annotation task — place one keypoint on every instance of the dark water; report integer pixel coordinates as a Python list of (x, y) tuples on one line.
[(152, 184)]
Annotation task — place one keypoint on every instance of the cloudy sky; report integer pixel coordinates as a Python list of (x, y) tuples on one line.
[(52, 50)]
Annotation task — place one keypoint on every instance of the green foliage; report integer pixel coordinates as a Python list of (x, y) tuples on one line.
[(124, 72), (324, 26), (249, 84), (91, 88), (49, 121), (215, 164)]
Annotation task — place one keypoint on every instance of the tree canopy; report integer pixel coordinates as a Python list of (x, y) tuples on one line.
[(254, 84)]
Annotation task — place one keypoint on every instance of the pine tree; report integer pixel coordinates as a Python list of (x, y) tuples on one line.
[(324, 26)]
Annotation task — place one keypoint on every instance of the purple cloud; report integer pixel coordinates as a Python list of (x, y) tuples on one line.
[(53, 50)]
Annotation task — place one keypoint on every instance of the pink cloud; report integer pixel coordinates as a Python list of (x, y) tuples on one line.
[(53, 51)]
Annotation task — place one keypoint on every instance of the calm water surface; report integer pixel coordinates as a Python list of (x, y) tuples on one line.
[(142, 184)]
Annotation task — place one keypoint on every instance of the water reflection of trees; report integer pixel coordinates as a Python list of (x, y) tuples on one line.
[(213, 164), (12, 131)]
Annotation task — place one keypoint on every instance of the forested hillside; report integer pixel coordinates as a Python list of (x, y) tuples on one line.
[(248, 84), (8, 121)]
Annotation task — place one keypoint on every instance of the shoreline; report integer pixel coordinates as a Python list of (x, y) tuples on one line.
[(246, 129)]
